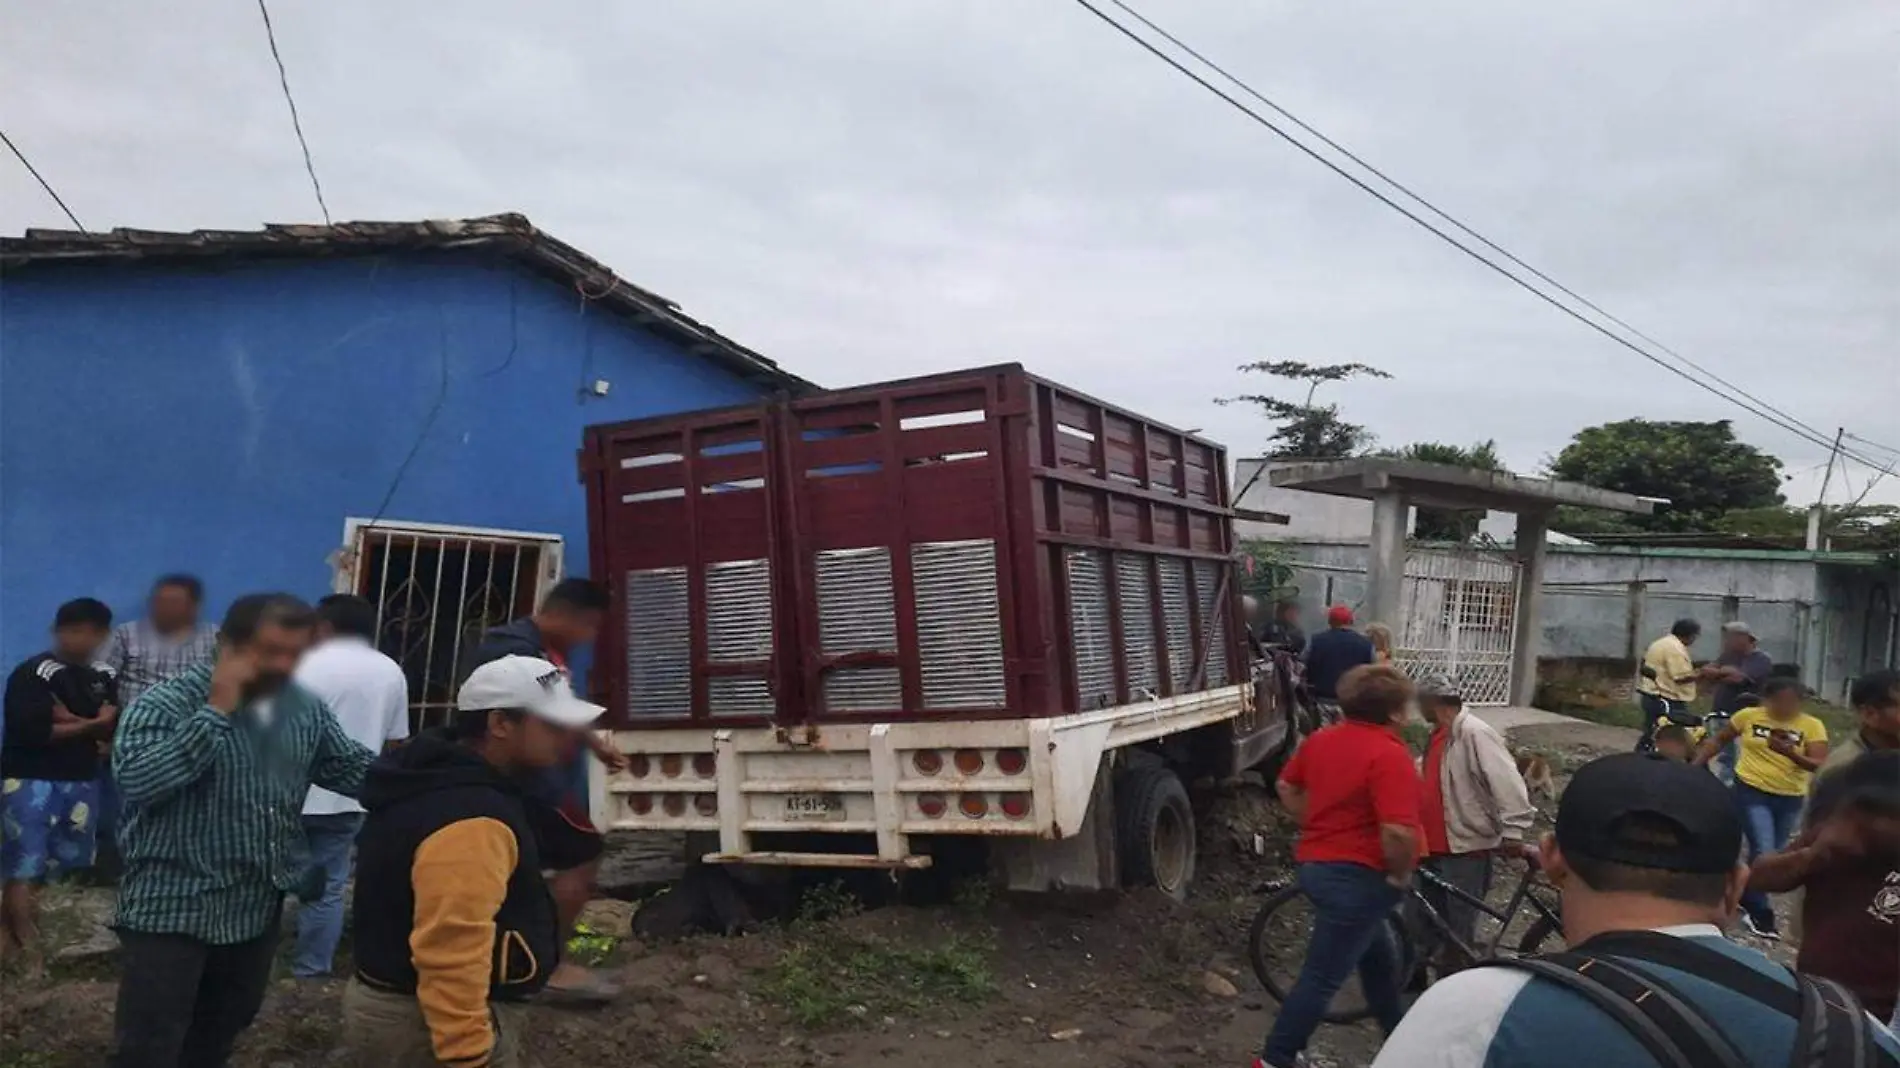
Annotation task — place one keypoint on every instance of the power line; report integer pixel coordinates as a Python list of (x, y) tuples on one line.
[(1757, 407), (283, 79), (44, 184)]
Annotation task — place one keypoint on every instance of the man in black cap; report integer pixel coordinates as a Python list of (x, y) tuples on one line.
[(1646, 853)]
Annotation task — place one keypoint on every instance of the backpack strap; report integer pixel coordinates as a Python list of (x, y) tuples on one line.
[(1675, 1034), (1830, 1022), (1832, 1031)]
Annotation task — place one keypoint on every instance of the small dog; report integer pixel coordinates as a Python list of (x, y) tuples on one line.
[(1536, 772)]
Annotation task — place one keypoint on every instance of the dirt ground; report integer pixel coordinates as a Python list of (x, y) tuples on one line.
[(1133, 980)]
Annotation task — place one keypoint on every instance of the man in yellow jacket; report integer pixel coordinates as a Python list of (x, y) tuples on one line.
[(455, 927)]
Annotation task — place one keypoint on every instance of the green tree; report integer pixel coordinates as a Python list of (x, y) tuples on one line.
[(1703, 470), (1449, 524), (1307, 430), (1870, 527)]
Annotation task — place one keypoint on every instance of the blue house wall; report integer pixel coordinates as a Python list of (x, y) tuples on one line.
[(225, 420)]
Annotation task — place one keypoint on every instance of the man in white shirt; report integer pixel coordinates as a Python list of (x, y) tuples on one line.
[(369, 695)]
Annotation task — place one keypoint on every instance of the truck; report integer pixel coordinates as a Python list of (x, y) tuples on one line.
[(855, 628)]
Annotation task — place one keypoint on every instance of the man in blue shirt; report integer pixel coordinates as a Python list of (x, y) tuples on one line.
[(1644, 847), (1329, 655)]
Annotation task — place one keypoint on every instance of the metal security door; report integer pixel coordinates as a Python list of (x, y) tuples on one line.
[(436, 588), (1458, 612)]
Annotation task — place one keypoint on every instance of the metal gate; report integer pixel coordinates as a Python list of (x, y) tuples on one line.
[(436, 589), (1458, 610)]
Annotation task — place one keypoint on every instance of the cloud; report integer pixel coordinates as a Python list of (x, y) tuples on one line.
[(863, 190)]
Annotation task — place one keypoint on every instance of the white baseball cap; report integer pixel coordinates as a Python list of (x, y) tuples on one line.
[(530, 684)]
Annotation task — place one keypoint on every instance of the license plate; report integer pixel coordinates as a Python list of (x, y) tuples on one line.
[(814, 807)]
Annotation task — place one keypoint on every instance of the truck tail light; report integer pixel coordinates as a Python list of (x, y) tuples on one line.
[(704, 765), (671, 764), (706, 805), (1015, 806), (927, 761), (674, 804), (969, 761), (641, 804), (1012, 761), (931, 805), (975, 806)]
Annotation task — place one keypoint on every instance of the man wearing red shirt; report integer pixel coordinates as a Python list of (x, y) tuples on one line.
[(1355, 792)]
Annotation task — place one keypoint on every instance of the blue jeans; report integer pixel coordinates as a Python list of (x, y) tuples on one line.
[(1351, 904), (1655, 710), (1770, 822), (320, 922)]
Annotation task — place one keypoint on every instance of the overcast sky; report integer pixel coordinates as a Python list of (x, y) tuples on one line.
[(868, 189)]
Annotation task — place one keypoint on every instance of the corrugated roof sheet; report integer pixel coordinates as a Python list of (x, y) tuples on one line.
[(511, 235)]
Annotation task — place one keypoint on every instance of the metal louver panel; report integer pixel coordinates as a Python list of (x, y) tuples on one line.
[(1176, 612), (1213, 620), (959, 624), (1138, 626), (1089, 629), (739, 630), (659, 650), (857, 613)]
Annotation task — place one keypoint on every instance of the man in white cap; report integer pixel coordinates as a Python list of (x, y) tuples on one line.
[(454, 924)]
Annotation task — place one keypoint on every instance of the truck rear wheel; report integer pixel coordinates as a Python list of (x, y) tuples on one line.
[(1154, 830)]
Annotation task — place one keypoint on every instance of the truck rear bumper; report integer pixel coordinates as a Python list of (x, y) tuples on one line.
[(1018, 778)]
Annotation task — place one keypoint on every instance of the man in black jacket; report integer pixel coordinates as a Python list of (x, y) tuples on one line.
[(567, 622), (454, 924), (61, 709)]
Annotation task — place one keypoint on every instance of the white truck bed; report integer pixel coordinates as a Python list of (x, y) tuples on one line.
[(1027, 778)]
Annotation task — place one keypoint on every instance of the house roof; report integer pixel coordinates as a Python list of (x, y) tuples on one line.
[(510, 235)]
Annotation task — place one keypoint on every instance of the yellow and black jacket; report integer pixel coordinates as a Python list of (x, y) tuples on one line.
[(450, 903)]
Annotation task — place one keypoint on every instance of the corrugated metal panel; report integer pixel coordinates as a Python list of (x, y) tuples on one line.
[(738, 630), (857, 612), (1177, 611), (1138, 625), (959, 623), (1089, 629), (659, 649), (1213, 620)]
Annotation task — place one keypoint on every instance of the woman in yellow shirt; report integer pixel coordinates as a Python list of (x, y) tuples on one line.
[(1781, 748)]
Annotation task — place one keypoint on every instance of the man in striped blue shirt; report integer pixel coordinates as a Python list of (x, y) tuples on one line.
[(213, 766)]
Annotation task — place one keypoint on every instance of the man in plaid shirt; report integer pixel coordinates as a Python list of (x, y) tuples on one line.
[(213, 767), (169, 641), (166, 643)]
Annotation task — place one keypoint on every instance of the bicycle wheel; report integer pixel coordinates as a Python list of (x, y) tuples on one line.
[(1542, 936), (1276, 947)]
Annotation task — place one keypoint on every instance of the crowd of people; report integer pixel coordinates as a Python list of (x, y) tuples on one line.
[(267, 759), (1654, 858)]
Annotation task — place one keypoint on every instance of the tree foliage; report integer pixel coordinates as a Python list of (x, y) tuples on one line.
[(1703, 470), (1305, 430), (1871, 527), (1449, 524)]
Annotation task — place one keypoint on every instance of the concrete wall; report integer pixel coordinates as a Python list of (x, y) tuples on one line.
[(225, 420), (1804, 611)]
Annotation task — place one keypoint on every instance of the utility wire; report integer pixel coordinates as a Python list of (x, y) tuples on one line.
[(283, 79), (1758, 407), (44, 184)]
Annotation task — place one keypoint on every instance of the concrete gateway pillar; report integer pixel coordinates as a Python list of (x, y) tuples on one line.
[(1385, 563), (1527, 624)]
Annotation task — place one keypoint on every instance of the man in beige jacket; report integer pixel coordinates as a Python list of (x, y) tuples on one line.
[(1474, 807)]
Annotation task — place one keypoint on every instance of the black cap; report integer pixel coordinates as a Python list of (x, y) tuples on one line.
[(1604, 792)]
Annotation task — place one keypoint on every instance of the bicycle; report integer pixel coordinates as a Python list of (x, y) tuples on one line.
[(1277, 940)]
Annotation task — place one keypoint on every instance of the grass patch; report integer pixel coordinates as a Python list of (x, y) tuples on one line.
[(829, 977)]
